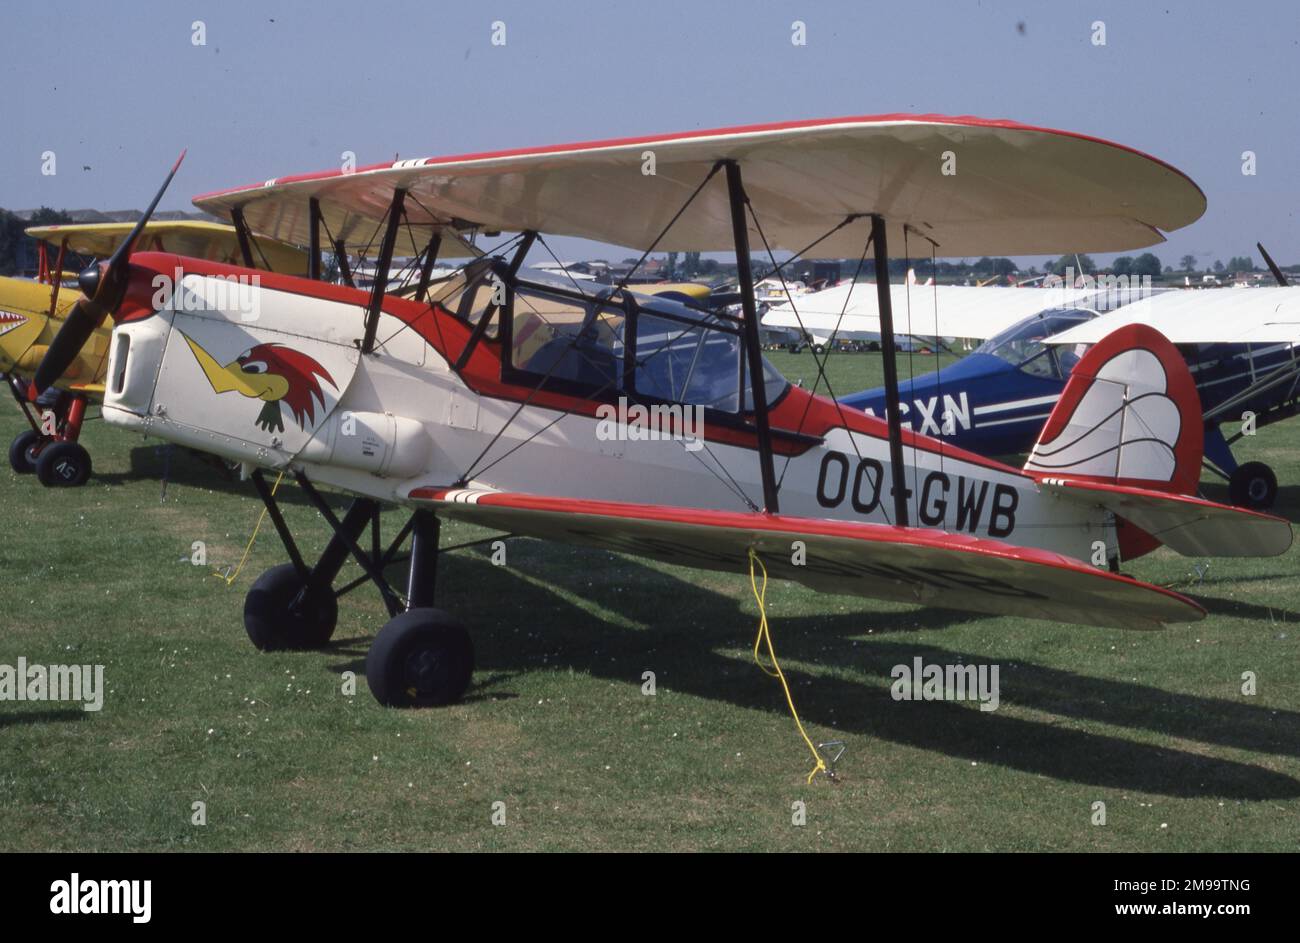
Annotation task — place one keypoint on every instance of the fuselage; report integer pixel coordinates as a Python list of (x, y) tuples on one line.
[(622, 398)]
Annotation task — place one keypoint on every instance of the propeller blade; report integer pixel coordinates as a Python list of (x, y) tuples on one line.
[(103, 288), (1272, 266), (122, 254), (81, 322)]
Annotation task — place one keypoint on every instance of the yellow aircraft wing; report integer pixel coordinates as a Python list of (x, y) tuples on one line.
[(689, 289), (194, 239)]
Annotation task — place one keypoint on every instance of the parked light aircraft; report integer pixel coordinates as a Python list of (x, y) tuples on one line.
[(558, 410), (995, 400), (31, 312)]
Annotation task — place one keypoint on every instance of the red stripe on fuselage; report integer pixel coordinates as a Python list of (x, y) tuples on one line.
[(798, 411)]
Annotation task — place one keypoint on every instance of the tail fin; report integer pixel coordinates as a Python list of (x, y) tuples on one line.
[(1129, 415)]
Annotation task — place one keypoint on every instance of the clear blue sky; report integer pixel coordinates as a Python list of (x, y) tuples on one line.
[(119, 87)]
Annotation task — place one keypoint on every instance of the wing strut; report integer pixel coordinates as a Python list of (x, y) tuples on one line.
[(345, 270), (313, 255), (241, 233), (753, 350), (382, 265), (897, 472), (426, 270), (57, 278)]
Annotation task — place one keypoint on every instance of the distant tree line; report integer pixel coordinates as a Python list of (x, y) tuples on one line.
[(691, 265), (16, 249)]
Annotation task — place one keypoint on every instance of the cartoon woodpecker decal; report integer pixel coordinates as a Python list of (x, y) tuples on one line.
[(274, 374)]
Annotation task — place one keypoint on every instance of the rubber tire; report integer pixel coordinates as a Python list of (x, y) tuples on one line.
[(1253, 486), (63, 465), (19, 460), (421, 658), (270, 624)]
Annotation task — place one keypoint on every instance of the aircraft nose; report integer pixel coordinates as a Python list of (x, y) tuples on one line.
[(88, 279)]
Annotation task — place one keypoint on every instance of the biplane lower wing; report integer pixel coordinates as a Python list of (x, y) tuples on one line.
[(913, 565), (1189, 525)]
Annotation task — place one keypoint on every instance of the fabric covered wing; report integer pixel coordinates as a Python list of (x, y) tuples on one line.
[(193, 239), (973, 186), (1258, 316), (927, 311), (915, 565)]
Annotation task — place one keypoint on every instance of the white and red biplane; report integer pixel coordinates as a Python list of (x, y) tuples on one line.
[(592, 415)]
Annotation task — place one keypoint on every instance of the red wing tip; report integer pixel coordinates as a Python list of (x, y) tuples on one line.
[(176, 166)]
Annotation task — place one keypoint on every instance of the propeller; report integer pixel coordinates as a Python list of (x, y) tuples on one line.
[(103, 286), (1272, 266)]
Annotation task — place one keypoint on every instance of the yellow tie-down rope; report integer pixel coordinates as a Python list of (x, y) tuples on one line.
[(251, 540), (765, 635)]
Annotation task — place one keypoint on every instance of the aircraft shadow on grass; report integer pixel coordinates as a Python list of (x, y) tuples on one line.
[(186, 468), (26, 717), (495, 603), (515, 623)]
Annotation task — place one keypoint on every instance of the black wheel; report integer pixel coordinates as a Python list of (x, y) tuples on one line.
[(422, 658), (23, 451), (63, 465), (1253, 486), (280, 614)]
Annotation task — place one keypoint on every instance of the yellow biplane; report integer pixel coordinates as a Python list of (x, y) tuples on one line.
[(31, 313)]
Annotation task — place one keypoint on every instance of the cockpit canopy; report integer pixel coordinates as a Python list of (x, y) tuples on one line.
[(594, 341), (1022, 343)]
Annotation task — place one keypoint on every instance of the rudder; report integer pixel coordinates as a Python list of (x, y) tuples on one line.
[(1129, 415)]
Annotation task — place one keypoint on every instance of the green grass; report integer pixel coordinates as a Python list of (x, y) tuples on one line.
[(849, 372), (556, 726)]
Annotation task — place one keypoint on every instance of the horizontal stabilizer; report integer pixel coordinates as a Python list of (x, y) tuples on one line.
[(1192, 526)]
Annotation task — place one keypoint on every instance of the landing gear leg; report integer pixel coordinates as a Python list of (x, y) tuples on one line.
[(25, 446), (63, 462), (56, 458), (423, 657), (293, 606), (1252, 485)]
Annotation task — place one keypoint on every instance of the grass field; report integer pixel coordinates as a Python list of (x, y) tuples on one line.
[(556, 726)]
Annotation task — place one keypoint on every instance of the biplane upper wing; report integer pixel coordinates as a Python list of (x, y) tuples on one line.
[(195, 239), (1223, 316), (972, 186), (914, 565)]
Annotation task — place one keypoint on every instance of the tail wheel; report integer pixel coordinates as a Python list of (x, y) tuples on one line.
[(1253, 486), (281, 612), (63, 465), (422, 658), (23, 451)]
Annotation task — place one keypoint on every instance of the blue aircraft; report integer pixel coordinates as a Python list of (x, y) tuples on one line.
[(995, 400)]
